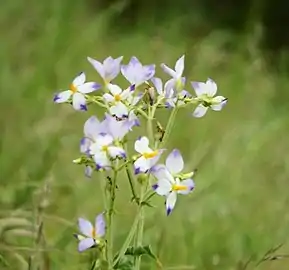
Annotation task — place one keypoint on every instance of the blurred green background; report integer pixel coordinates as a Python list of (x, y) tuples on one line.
[(239, 209)]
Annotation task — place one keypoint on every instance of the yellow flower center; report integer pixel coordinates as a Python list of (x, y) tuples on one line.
[(150, 154), (105, 148), (93, 233), (73, 88), (117, 97), (176, 187)]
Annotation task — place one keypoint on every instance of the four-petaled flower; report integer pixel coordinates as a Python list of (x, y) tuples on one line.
[(136, 73), (103, 149), (77, 91), (109, 69), (177, 82), (90, 234), (116, 99), (169, 183), (206, 96), (148, 156)]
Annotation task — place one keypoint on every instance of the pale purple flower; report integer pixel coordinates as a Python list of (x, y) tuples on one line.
[(90, 234), (77, 91), (109, 69), (177, 80), (148, 156), (206, 95), (136, 73), (168, 92), (169, 183)]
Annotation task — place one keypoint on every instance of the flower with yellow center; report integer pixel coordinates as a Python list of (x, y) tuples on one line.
[(148, 157), (169, 184)]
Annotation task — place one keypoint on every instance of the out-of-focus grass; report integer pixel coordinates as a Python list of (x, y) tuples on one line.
[(240, 206)]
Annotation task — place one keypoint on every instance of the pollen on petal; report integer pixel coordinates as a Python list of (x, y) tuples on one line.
[(179, 187), (150, 155)]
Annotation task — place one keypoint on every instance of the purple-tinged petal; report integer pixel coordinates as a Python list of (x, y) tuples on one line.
[(200, 111), (88, 171), (85, 143), (79, 102), (85, 227), (179, 67), (79, 79), (98, 66), (200, 88), (85, 244), (62, 96), (149, 72), (111, 68), (171, 202), (175, 162), (88, 87), (155, 186), (100, 225), (168, 70), (189, 184), (211, 87), (158, 84)]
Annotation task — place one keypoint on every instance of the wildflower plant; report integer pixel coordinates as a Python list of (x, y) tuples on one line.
[(104, 148)]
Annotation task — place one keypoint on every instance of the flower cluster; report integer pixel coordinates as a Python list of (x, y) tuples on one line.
[(104, 146)]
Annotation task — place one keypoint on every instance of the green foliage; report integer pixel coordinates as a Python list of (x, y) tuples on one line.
[(240, 206)]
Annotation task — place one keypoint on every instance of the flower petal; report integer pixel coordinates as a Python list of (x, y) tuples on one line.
[(88, 171), (92, 127), (114, 89), (179, 67), (104, 139), (100, 225), (108, 97), (79, 79), (85, 244), (189, 184), (111, 67), (148, 72), (163, 187), (218, 103), (79, 102), (171, 202), (200, 111), (141, 165), (211, 87), (158, 84), (160, 171), (88, 87), (101, 160), (98, 66), (62, 96), (116, 152), (175, 162), (142, 145), (119, 110), (85, 227), (168, 70), (200, 88), (85, 144)]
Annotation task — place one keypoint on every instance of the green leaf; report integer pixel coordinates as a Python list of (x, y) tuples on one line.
[(125, 264), (143, 250)]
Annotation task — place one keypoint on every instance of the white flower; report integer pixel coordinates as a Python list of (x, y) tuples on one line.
[(77, 91), (206, 95), (148, 156), (103, 149), (116, 99), (169, 183)]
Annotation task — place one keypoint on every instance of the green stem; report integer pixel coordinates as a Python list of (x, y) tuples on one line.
[(110, 221), (131, 184), (169, 127), (127, 240)]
